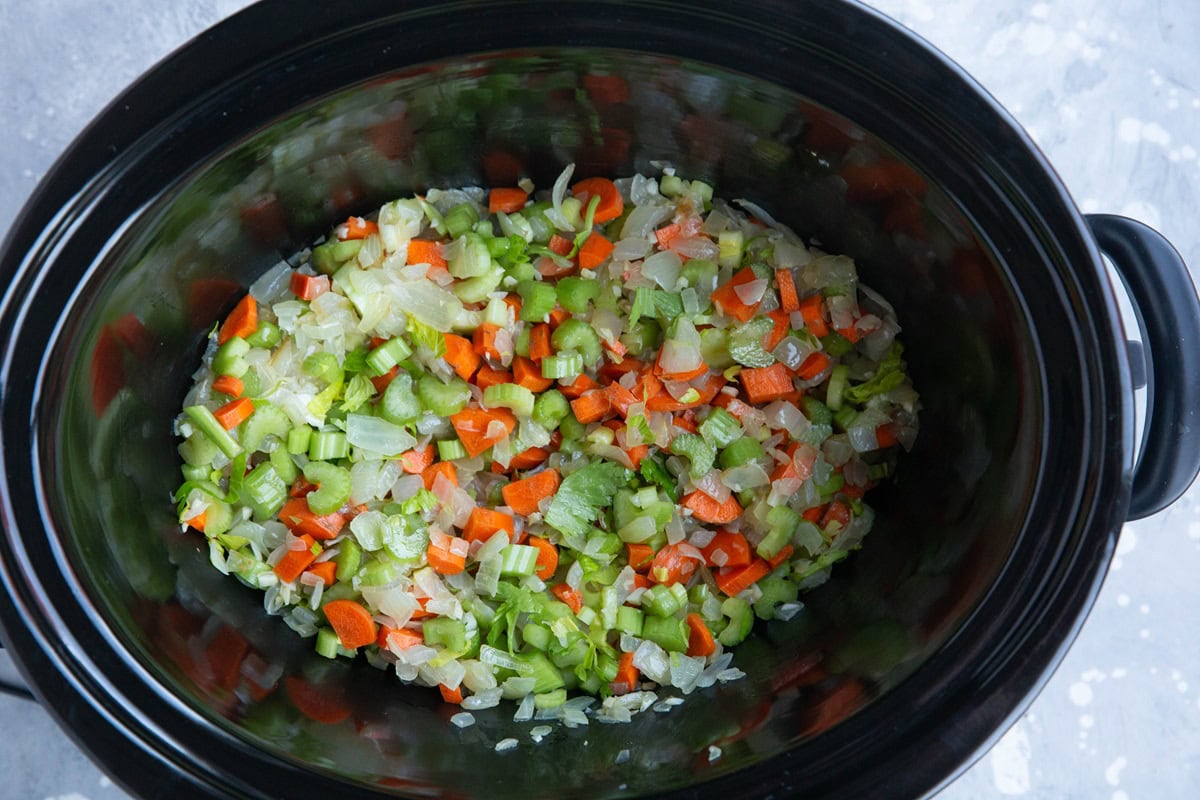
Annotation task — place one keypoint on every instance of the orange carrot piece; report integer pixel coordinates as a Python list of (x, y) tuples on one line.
[(547, 560), (316, 702), (733, 545), (637, 453), (444, 562), (528, 374), (667, 234), (529, 458), (595, 251), (814, 365), (508, 199), (308, 287), (326, 571), (640, 556), (838, 512), (491, 377), (560, 245), (776, 335), (611, 204), (454, 695), (789, 300), (422, 251), (539, 342), (727, 300), (381, 382), (812, 310), (234, 413), (670, 565), (850, 333), (783, 555), (885, 435), (444, 468), (523, 496), (613, 371), (764, 384), (627, 675), (356, 228), (242, 321), (414, 462), (227, 384), (484, 340), (568, 595), (732, 580), (576, 388), (198, 522), (225, 653), (484, 522), (294, 562), (557, 317), (352, 623), (301, 520), (705, 509), (399, 638), (591, 406), (620, 398), (472, 425), (700, 638), (461, 355)]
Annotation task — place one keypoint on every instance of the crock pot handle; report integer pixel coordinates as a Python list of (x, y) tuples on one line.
[(1168, 313)]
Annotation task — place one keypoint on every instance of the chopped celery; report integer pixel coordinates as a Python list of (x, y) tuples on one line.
[(265, 490), (536, 635), (741, 620), (267, 420), (230, 358), (537, 300), (741, 451), (509, 395), (460, 219), (671, 186), (518, 559), (669, 633), (720, 428), (575, 293), (550, 408), (776, 591), (660, 601), (577, 335), (440, 398), (835, 345), (334, 486), (449, 634), (207, 424), (348, 559), (629, 620), (817, 412), (284, 465), (327, 642), (731, 245), (266, 335), (298, 439), (699, 453), (562, 366), (328, 446), (451, 449), (388, 355)]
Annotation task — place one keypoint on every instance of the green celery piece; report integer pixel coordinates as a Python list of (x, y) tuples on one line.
[(700, 454), (745, 344), (334, 483), (888, 376), (654, 471), (582, 495)]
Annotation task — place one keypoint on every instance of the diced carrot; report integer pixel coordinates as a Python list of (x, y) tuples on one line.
[(225, 653), (814, 365), (627, 675), (613, 371), (813, 514), (513, 301), (227, 384), (528, 374), (738, 408), (611, 204), (595, 251), (525, 495), (664, 402), (560, 246), (776, 335), (308, 287), (733, 545), (812, 310), (850, 333), (685, 421), (641, 581), (300, 519), (352, 623), (667, 234), (637, 453), (838, 512), (301, 487), (576, 388), (557, 317), (444, 468), (398, 638), (783, 555), (461, 355), (764, 384), (414, 462), (294, 562), (454, 695), (472, 426), (616, 347), (640, 556), (547, 560), (670, 565), (324, 704), (198, 522), (727, 300), (326, 571), (885, 435), (539, 342), (853, 492), (529, 458), (484, 522), (242, 321), (444, 562), (591, 406), (356, 228), (381, 382), (700, 638), (566, 594), (620, 398), (422, 251), (732, 580), (789, 301), (705, 509), (508, 199), (606, 90), (486, 376), (234, 413), (484, 340)]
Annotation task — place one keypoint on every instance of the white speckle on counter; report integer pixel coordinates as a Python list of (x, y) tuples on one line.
[(1122, 600), (1119, 672), (1037, 38), (1113, 773), (1081, 693), (1087, 721), (1120, 794), (1010, 761), (1039, 11)]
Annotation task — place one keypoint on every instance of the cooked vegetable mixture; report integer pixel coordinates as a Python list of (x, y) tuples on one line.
[(512, 445)]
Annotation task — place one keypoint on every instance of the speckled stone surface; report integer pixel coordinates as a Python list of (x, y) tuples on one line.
[(1111, 92)]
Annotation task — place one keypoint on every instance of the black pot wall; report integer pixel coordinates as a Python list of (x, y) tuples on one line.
[(990, 543)]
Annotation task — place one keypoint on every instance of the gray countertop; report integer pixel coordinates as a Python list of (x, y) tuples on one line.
[(1110, 91)]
